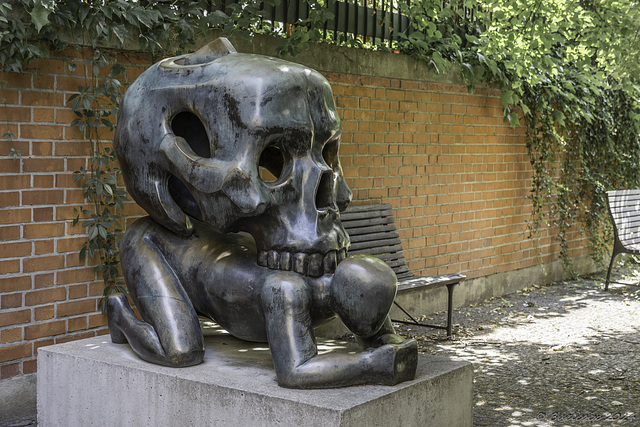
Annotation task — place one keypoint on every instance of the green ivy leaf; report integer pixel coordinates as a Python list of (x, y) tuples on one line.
[(40, 17)]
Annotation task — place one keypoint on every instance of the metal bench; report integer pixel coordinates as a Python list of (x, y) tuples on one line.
[(372, 231), (624, 209)]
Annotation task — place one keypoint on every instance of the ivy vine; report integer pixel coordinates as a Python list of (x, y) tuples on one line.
[(30, 29), (567, 68), (96, 108), (8, 134)]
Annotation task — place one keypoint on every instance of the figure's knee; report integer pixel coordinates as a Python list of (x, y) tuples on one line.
[(285, 291), (181, 357), (362, 290)]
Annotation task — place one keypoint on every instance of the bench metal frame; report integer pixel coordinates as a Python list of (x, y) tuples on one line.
[(373, 231), (624, 210)]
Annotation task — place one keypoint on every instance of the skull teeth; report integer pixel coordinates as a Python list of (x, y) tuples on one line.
[(314, 265)]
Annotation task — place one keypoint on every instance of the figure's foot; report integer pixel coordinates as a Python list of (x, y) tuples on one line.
[(406, 361), (116, 303), (400, 359)]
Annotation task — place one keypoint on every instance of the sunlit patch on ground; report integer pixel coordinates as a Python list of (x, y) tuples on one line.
[(560, 355)]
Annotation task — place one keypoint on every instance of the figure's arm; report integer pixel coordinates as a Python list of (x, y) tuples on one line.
[(286, 300)]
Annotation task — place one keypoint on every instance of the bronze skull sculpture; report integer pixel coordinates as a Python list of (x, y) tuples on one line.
[(235, 159)]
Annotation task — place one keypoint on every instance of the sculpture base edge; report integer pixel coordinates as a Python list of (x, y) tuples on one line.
[(96, 382)]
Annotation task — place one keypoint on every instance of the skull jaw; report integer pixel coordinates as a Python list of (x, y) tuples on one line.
[(311, 248), (307, 264)]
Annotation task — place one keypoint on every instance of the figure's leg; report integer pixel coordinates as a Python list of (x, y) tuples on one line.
[(169, 333), (286, 300)]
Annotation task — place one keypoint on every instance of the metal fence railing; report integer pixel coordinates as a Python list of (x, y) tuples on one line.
[(349, 21)]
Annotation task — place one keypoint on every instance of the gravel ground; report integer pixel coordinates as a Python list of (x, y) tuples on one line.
[(559, 355)]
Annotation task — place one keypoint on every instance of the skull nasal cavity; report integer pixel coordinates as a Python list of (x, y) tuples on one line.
[(190, 127), (324, 193)]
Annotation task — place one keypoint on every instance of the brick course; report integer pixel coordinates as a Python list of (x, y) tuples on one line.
[(456, 175)]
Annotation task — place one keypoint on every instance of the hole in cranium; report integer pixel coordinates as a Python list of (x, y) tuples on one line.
[(330, 153), (183, 197), (271, 164), (324, 193), (190, 127)]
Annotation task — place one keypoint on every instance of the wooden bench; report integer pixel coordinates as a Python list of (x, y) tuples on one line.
[(624, 209), (372, 231)]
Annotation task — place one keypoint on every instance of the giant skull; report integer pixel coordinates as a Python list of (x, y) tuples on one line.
[(239, 142)]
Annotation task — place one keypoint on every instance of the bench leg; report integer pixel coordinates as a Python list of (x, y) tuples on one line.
[(448, 327), (450, 309), (606, 283)]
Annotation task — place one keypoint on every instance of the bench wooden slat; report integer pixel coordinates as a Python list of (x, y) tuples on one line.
[(404, 276), (626, 214), (619, 209), (622, 218), (368, 208), (623, 193), (624, 196), (626, 222), (370, 230), (628, 232), (378, 243), (630, 239), (353, 216), (394, 260), (386, 235), (390, 251), (366, 222)]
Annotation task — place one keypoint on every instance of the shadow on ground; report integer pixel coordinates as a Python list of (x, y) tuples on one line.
[(563, 354)]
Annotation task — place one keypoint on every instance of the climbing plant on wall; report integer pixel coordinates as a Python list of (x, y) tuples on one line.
[(567, 68), (31, 29)]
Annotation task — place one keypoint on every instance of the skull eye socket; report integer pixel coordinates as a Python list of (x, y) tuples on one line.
[(330, 153), (271, 163), (190, 127)]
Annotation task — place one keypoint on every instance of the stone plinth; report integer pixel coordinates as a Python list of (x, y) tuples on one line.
[(95, 382)]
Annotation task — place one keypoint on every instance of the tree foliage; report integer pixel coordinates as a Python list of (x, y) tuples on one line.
[(567, 68)]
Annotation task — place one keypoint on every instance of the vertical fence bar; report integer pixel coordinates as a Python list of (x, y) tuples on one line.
[(383, 22), (375, 19), (353, 18), (273, 17), (336, 17), (347, 16), (366, 22), (325, 27)]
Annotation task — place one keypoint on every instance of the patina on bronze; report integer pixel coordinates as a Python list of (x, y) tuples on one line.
[(235, 159)]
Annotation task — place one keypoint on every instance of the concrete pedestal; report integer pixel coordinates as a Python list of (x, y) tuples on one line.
[(95, 382)]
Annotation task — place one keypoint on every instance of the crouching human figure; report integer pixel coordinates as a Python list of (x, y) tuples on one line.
[(235, 159)]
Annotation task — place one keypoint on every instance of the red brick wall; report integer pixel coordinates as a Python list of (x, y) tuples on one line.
[(456, 175)]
